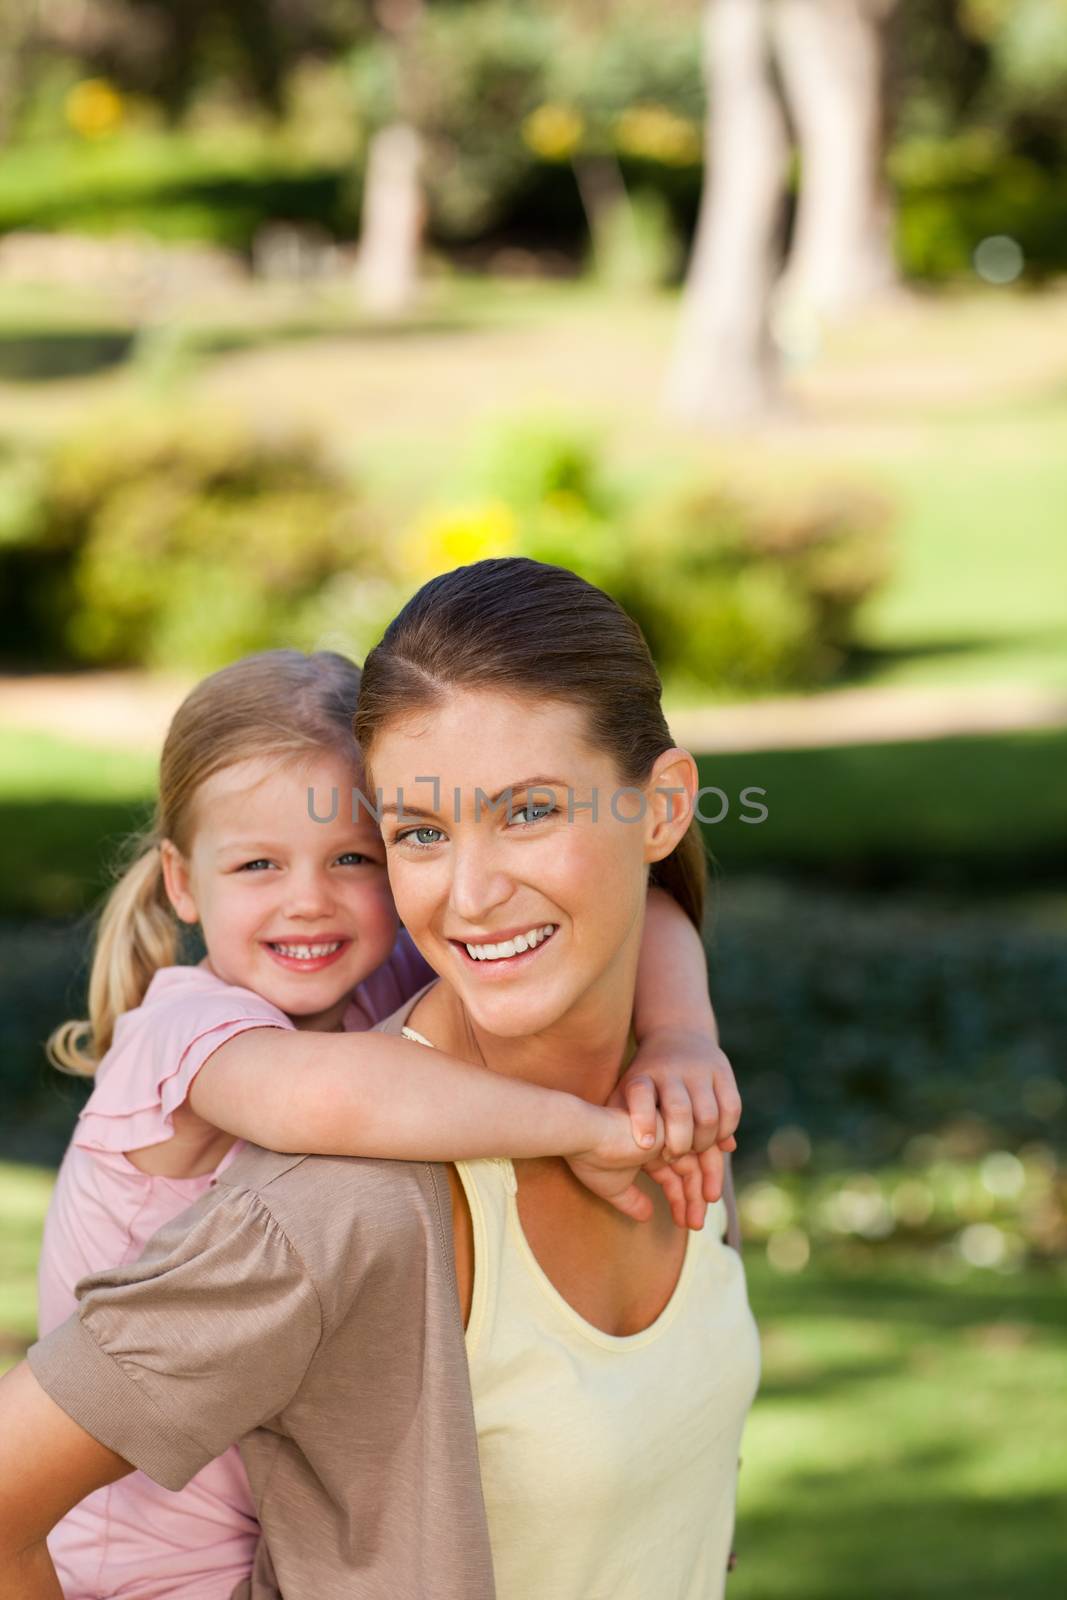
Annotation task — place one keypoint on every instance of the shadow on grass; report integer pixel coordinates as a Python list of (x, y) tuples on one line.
[(867, 662), (36, 356), (960, 812), (894, 1533)]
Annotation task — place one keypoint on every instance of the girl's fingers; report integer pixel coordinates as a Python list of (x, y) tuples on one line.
[(676, 1109), (674, 1189), (633, 1202), (727, 1096), (706, 1129), (640, 1096), (696, 1206), (713, 1174)]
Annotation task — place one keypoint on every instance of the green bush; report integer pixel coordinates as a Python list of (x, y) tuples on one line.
[(953, 193), (181, 540), (734, 597), (186, 540)]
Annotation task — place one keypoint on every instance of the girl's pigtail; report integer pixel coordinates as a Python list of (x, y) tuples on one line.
[(136, 936)]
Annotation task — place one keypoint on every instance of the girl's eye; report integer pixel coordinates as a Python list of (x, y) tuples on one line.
[(262, 862), (356, 856), (419, 844), (541, 808)]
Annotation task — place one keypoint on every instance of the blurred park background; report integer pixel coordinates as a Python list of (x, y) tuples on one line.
[(754, 313)]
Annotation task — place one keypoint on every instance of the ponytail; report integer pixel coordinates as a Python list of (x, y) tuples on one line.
[(137, 935)]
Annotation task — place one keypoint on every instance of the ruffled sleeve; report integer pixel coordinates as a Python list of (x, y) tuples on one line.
[(159, 1048), (396, 980)]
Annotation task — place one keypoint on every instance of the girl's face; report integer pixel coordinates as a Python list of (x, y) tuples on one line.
[(297, 910), (465, 874)]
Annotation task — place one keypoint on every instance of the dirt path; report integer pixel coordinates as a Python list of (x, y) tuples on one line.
[(129, 710)]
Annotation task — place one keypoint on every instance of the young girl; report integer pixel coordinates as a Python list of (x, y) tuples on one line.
[(302, 940)]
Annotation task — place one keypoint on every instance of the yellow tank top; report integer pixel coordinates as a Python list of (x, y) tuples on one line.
[(609, 1465)]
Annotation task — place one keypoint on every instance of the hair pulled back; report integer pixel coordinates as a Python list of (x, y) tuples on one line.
[(278, 703), (531, 629)]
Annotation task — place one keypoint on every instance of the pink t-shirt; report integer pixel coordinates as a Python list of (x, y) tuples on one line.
[(134, 1540)]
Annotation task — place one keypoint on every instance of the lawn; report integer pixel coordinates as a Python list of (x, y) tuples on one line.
[(902, 1443)]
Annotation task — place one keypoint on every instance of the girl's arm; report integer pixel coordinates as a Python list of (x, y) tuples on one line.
[(373, 1094), (47, 1464), (679, 1064)]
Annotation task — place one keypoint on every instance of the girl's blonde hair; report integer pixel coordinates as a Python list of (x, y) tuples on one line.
[(278, 703)]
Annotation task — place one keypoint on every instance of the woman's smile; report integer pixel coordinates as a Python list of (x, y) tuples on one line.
[(511, 953)]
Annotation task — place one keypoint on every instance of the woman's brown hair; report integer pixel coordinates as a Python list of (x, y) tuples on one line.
[(279, 703), (531, 629)]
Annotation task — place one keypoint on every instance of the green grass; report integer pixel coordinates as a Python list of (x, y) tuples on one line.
[(64, 810), (980, 588), (905, 1440), (24, 1193)]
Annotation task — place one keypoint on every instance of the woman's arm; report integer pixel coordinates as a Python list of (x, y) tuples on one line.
[(47, 1464)]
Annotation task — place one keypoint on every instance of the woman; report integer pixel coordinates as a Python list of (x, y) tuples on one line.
[(309, 1307)]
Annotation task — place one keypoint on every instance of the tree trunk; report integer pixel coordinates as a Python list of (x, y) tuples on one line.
[(830, 53), (387, 269), (724, 366)]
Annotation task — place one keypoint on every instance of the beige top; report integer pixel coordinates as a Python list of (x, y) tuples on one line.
[(306, 1308), (609, 1464)]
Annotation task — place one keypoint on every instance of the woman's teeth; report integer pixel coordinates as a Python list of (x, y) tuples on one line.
[(306, 952), (511, 947)]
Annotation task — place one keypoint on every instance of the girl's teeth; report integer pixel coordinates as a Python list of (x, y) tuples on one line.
[(307, 952), (510, 947)]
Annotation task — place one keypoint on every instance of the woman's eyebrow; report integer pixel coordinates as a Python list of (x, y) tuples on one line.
[(521, 784)]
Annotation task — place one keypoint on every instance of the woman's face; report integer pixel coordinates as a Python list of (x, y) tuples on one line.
[(466, 873)]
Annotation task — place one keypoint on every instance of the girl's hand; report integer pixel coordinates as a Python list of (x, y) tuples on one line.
[(610, 1165), (688, 1077), (685, 1182)]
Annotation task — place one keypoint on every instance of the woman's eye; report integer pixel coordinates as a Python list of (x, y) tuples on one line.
[(540, 810), (420, 844)]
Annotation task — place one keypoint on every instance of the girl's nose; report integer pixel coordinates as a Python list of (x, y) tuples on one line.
[(478, 885), (308, 896)]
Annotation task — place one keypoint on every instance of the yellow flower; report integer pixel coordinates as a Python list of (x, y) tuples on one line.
[(458, 535), (94, 108), (553, 132), (655, 133)]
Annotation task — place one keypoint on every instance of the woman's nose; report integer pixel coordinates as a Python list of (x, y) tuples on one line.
[(478, 883)]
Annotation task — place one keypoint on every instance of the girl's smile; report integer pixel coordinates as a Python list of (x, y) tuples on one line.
[(302, 956)]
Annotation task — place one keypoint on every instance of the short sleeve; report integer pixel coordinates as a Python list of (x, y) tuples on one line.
[(173, 1358), (402, 975), (158, 1050)]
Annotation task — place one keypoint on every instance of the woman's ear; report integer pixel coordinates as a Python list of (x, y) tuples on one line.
[(672, 795), (177, 881)]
